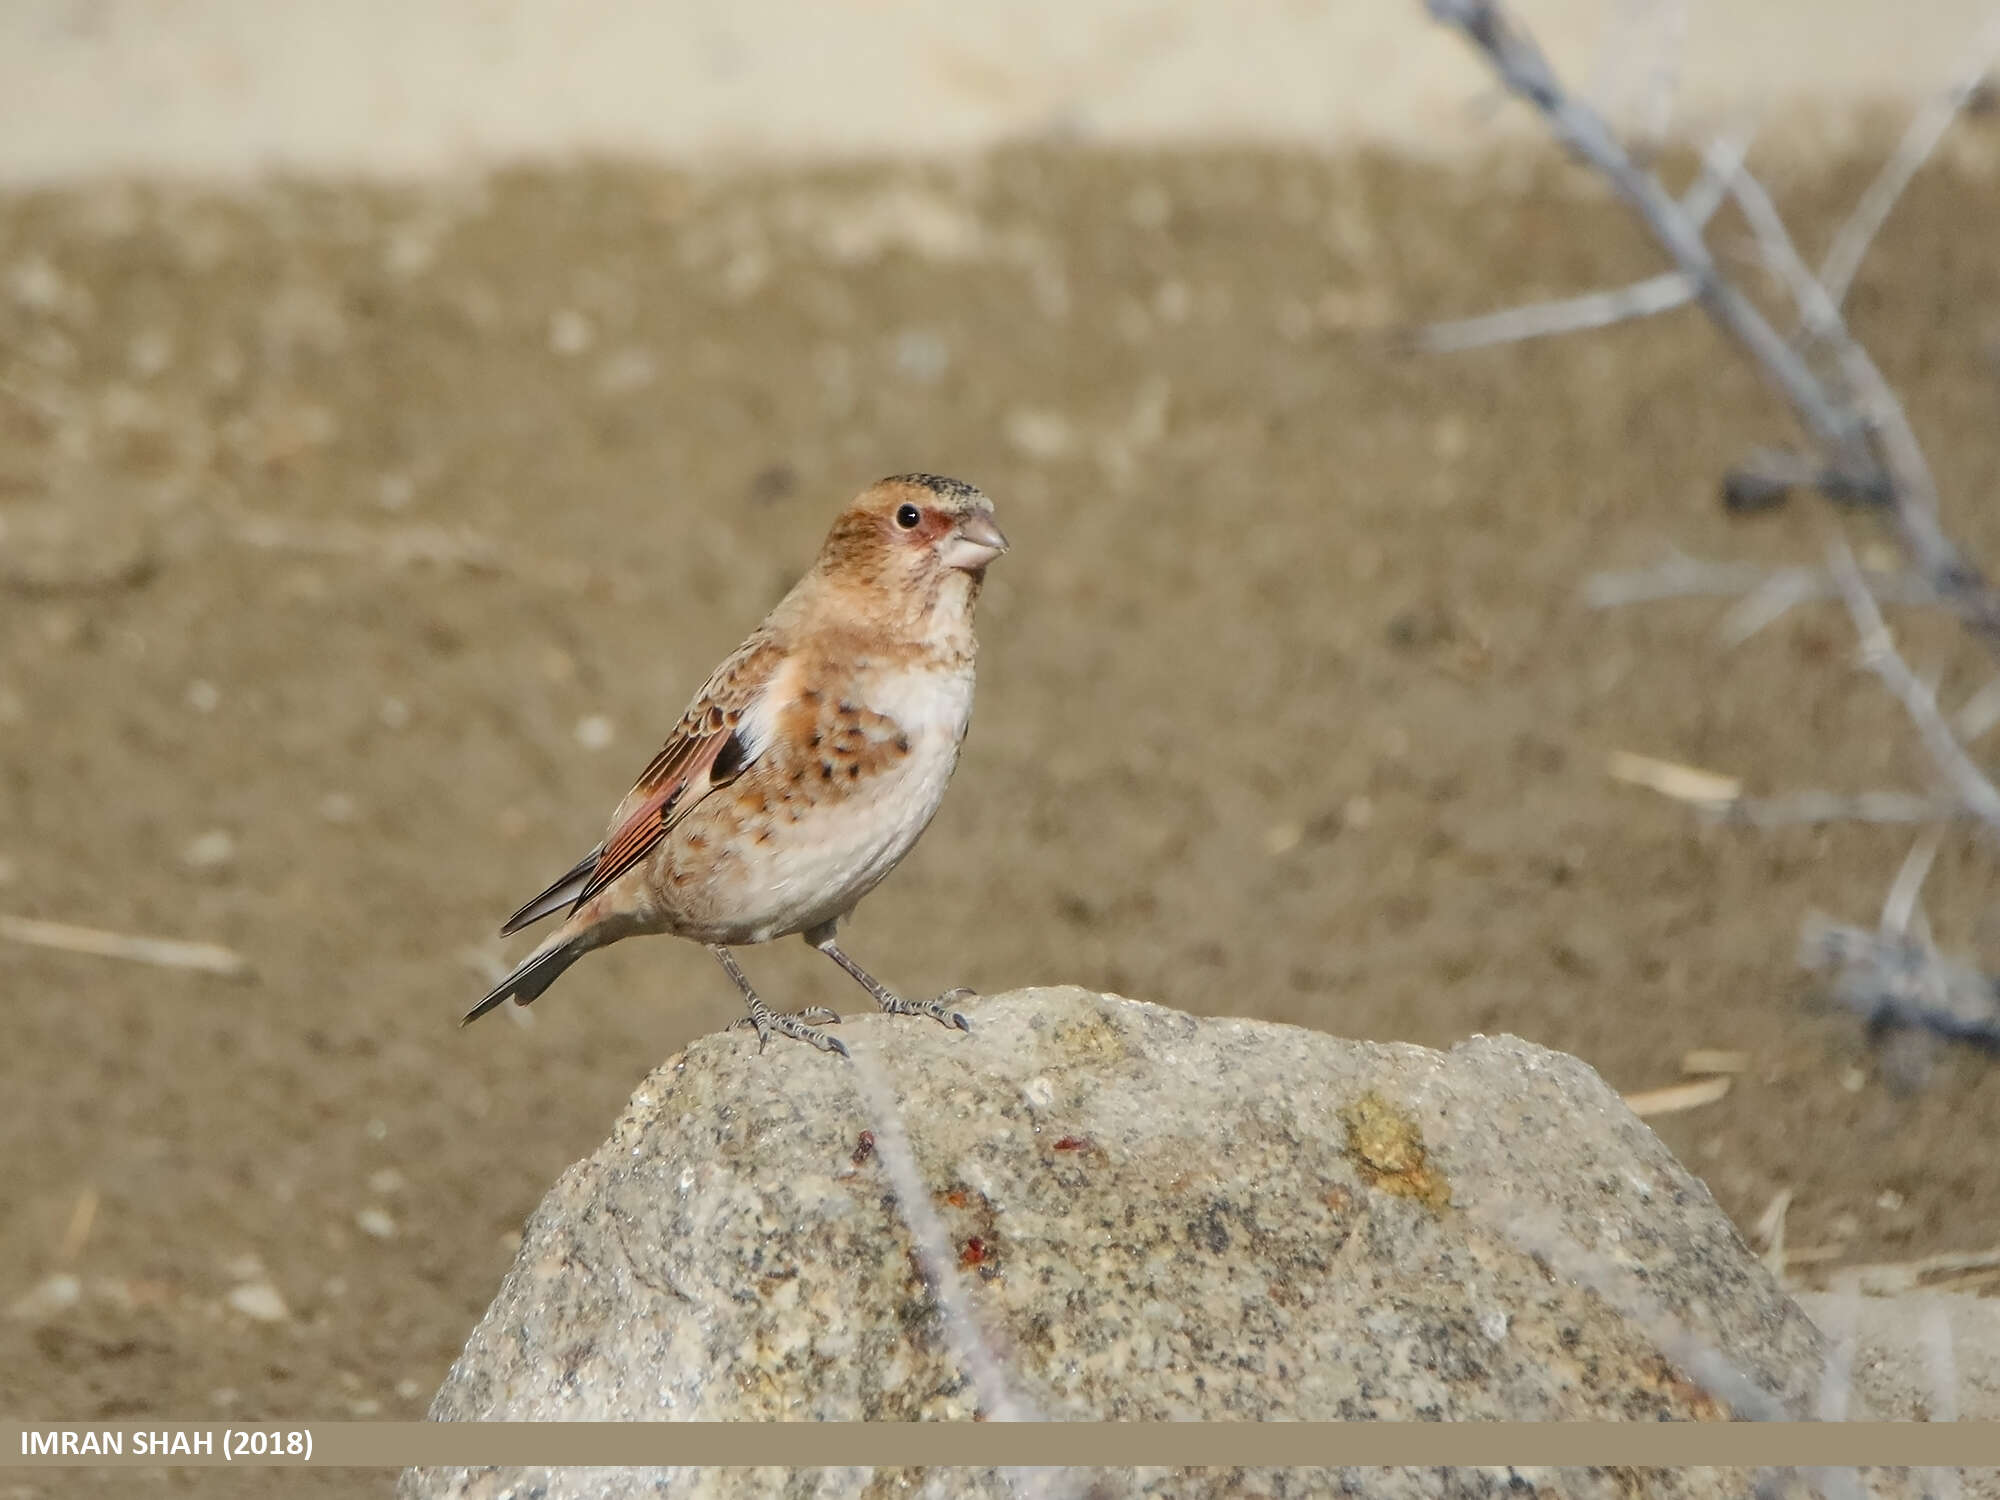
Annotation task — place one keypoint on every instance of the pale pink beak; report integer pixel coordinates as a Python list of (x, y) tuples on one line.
[(975, 543)]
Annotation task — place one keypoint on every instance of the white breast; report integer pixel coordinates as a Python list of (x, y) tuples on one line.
[(860, 838), (923, 701)]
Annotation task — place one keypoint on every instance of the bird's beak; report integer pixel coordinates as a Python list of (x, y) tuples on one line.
[(975, 543)]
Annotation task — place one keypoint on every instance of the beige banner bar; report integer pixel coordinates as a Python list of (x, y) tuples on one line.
[(924, 1444)]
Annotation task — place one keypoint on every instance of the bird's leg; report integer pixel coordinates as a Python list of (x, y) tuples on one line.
[(938, 1010), (767, 1020)]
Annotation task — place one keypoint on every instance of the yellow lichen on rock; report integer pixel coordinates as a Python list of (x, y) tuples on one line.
[(1388, 1150)]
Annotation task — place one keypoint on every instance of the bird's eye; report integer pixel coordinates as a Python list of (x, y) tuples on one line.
[(907, 516)]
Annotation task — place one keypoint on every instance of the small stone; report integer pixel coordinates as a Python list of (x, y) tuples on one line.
[(394, 713), (38, 286), (1282, 838), (408, 1390), (209, 851), (1853, 1080), (746, 273), (921, 356), (595, 732), (150, 353), (377, 1130), (1889, 1201), (50, 1296), (626, 371), (259, 1300), (394, 492), (1044, 435), (376, 1223), (386, 1183), (570, 332), (202, 696)]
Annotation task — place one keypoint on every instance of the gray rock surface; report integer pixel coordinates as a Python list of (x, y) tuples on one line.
[(1156, 1217), (1920, 1357)]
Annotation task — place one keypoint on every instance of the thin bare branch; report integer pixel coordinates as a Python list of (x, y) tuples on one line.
[(1979, 713), (1538, 320), (1899, 907), (1807, 808), (1678, 576), (1523, 69), (1836, 1381), (1706, 1365), (1940, 1364), (1920, 139), (1878, 653), (997, 1400), (1663, 78), (1916, 491), (1622, 304), (1862, 428)]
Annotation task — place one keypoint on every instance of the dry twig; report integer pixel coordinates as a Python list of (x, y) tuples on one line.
[(1967, 782), (1677, 1098), (165, 953), (932, 1246), (1523, 69), (1766, 594), (1862, 427), (1850, 245), (1622, 304), (1812, 808)]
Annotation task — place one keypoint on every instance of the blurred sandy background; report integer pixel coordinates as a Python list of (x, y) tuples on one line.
[(399, 86), (365, 518)]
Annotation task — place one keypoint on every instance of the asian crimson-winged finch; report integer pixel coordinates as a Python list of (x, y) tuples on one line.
[(805, 768)]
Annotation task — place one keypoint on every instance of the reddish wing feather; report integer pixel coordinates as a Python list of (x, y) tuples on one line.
[(685, 759), (685, 770)]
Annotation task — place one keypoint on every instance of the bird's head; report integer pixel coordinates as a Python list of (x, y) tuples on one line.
[(912, 535)]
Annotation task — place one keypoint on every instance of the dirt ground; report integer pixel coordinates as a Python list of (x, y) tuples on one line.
[(359, 544)]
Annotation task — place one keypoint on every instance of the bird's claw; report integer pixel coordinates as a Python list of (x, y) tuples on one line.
[(938, 1010), (794, 1024)]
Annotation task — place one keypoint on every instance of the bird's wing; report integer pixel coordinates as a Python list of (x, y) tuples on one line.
[(717, 739), (562, 892)]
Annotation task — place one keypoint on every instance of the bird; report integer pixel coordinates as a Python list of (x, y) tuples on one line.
[(806, 767)]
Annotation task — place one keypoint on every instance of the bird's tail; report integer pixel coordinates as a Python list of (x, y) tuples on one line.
[(533, 974)]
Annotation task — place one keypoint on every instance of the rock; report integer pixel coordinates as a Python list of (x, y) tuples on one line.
[(1156, 1217), (259, 1300), (51, 1295), (1920, 1357)]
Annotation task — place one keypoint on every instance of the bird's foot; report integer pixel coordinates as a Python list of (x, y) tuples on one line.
[(794, 1024), (939, 1010)]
